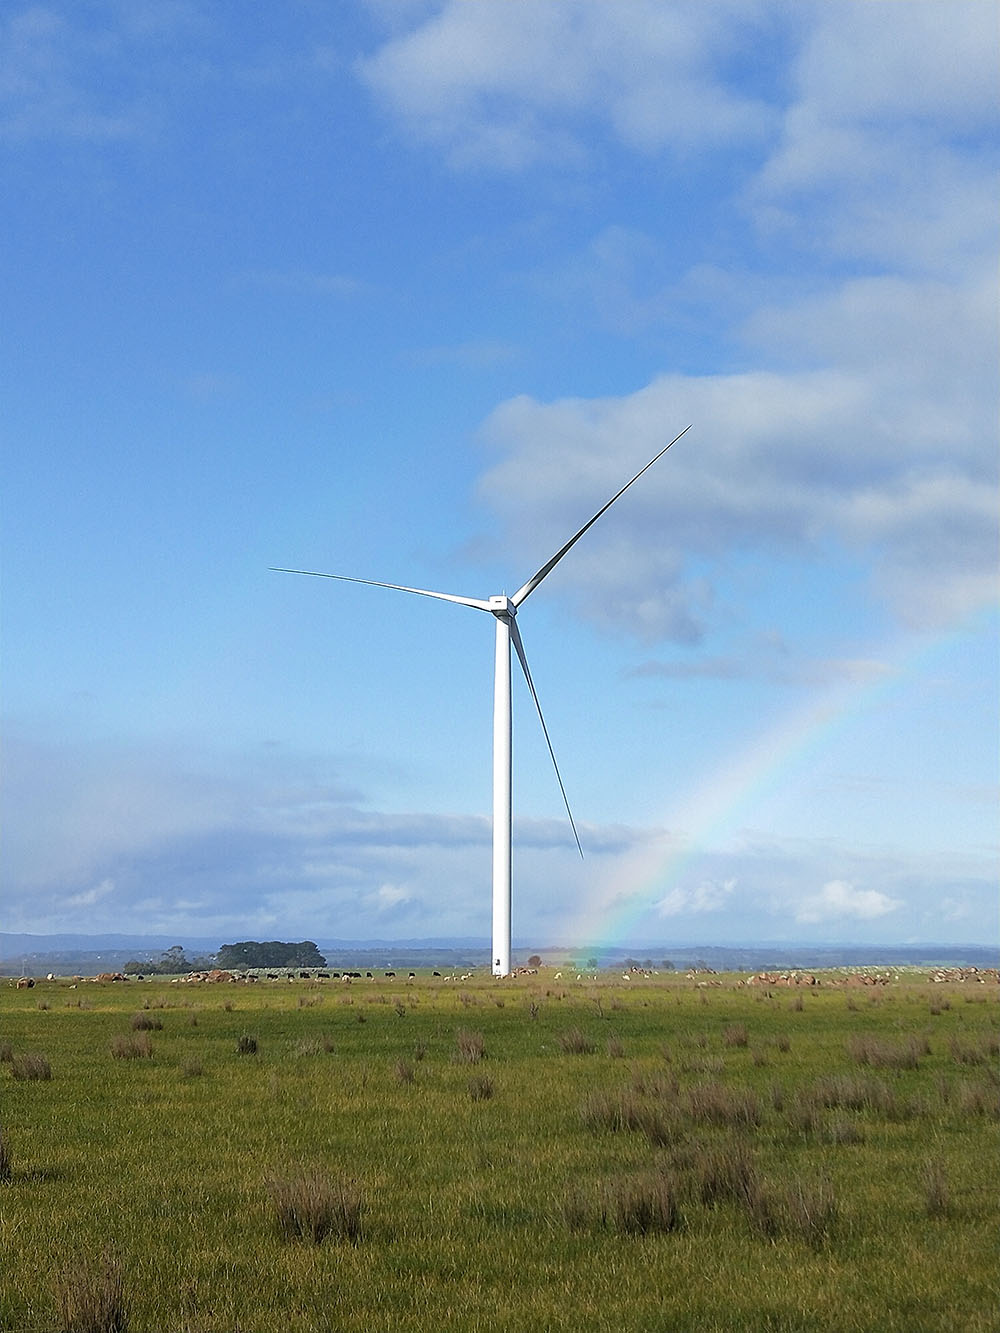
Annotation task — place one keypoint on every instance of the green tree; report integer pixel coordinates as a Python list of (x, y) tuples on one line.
[(270, 953), (173, 960)]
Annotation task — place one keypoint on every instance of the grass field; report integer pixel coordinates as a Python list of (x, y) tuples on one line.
[(529, 1154)]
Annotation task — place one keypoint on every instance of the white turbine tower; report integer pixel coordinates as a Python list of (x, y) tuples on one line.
[(504, 610)]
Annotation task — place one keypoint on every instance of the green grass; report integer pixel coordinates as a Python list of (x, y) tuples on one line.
[(651, 1156)]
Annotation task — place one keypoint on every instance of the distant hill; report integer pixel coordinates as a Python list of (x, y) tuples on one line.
[(87, 954)]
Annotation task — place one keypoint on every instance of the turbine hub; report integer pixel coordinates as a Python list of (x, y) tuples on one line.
[(503, 606)]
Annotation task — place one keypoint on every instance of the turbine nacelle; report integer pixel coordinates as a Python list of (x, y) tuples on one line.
[(503, 606)]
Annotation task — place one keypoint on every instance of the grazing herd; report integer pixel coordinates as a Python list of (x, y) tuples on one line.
[(982, 976)]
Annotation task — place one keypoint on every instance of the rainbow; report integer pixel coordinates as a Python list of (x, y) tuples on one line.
[(661, 879)]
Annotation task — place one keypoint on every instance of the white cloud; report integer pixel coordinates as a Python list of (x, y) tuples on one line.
[(838, 900), (90, 897), (390, 900), (884, 142), (60, 80), (706, 896), (781, 462), (506, 86)]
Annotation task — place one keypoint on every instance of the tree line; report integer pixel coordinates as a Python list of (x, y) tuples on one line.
[(231, 958)]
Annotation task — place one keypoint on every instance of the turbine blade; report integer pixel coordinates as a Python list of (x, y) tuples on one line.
[(515, 635), (476, 602), (548, 567)]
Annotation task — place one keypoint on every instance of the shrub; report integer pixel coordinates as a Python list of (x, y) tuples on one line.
[(90, 1296), (146, 1023), (574, 1042), (31, 1065), (246, 1045), (132, 1048), (309, 1206), (470, 1047)]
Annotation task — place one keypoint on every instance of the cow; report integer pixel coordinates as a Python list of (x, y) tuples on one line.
[(25, 983)]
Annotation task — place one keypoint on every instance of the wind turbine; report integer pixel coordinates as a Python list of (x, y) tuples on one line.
[(504, 610)]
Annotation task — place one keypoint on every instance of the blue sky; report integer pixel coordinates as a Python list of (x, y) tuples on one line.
[(406, 291)]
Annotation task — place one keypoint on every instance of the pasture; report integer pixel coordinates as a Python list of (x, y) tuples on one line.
[(530, 1154)]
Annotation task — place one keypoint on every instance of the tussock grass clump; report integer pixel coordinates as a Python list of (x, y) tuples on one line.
[(404, 1072), (90, 1296), (642, 1205), (6, 1052), (575, 1042), (656, 1084), (615, 1049), (470, 1047), (132, 1048), (625, 1111), (725, 1173), (719, 1105), (937, 1196), (480, 1087), (881, 1053), (973, 1053), (146, 1023), (736, 1035), (246, 1045), (6, 1165), (845, 1133), (612, 1111), (575, 1209), (809, 1212), (853, 1093), (307, 1046), (309, 1206), (31, 1065), (192, 1069), (977, 1099)]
